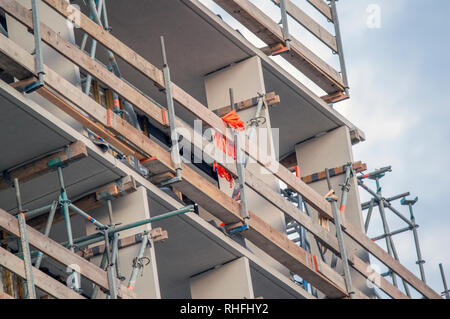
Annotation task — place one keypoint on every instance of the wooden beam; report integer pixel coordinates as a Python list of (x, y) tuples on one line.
[(357, 167), (10, 66), (61, 254), (41, 280), (326, 270), (87, 203), (312, 26), (271, 33), (88, 123), (4, 295), (323, 8), (24, 173), (271, 99), (289, 160), (334, 97)]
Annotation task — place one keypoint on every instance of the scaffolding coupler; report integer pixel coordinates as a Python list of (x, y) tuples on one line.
[(377, 174), (234, 230), (38, 56)]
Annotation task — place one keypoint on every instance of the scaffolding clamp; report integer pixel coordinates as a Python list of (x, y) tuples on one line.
[(237, 228), (54, 163)]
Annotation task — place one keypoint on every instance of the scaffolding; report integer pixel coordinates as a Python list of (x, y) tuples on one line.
[(117, 130)]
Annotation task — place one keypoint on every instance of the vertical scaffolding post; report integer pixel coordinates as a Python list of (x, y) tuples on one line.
[(175, 150), (47, 229), (64, 203), (102, 266), (110, 267), (346, 188), (332, 198), (386, 229), (420, 260), (369, 214), (31, 290), (446, 292), (240, 167), (38, 57), (95, 12), (339, 45), (284, 22), (254, 123)]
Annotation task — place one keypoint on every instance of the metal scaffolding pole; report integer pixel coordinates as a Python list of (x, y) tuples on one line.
[(339, 45), (369, 215), (38, 56), (420, 260), (240, 167), (332, 198), (175, 148), (64, 203), (376, 175), (137, 261), (47, 229), (31, 290), (446, 292)]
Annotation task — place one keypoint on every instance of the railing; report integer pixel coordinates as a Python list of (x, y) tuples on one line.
[(280, 42)]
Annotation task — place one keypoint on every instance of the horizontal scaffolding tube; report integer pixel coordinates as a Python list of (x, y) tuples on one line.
[(97, 237), (36, 212)]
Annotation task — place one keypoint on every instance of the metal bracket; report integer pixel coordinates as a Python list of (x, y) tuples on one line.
[(238, 229)]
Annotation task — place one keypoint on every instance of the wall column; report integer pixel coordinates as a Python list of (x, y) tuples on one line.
[(246, 79), (229, 281), (331, 150), (127, 209)]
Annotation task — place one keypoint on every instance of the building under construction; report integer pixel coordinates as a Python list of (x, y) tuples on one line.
[(150, 150)]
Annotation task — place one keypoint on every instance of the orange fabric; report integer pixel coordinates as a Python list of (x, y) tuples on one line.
[(234, 120), (223, 173), (224, 145)]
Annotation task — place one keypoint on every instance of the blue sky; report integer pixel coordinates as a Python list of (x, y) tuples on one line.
[(399, 80)]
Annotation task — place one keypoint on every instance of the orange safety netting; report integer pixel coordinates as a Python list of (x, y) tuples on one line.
[(223, 173), (226, 146), (234, 120)]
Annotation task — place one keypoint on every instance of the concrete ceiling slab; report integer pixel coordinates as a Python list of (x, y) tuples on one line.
[(22, 137)]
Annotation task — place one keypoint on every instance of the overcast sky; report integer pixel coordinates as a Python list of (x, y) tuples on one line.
[(397, 54)]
